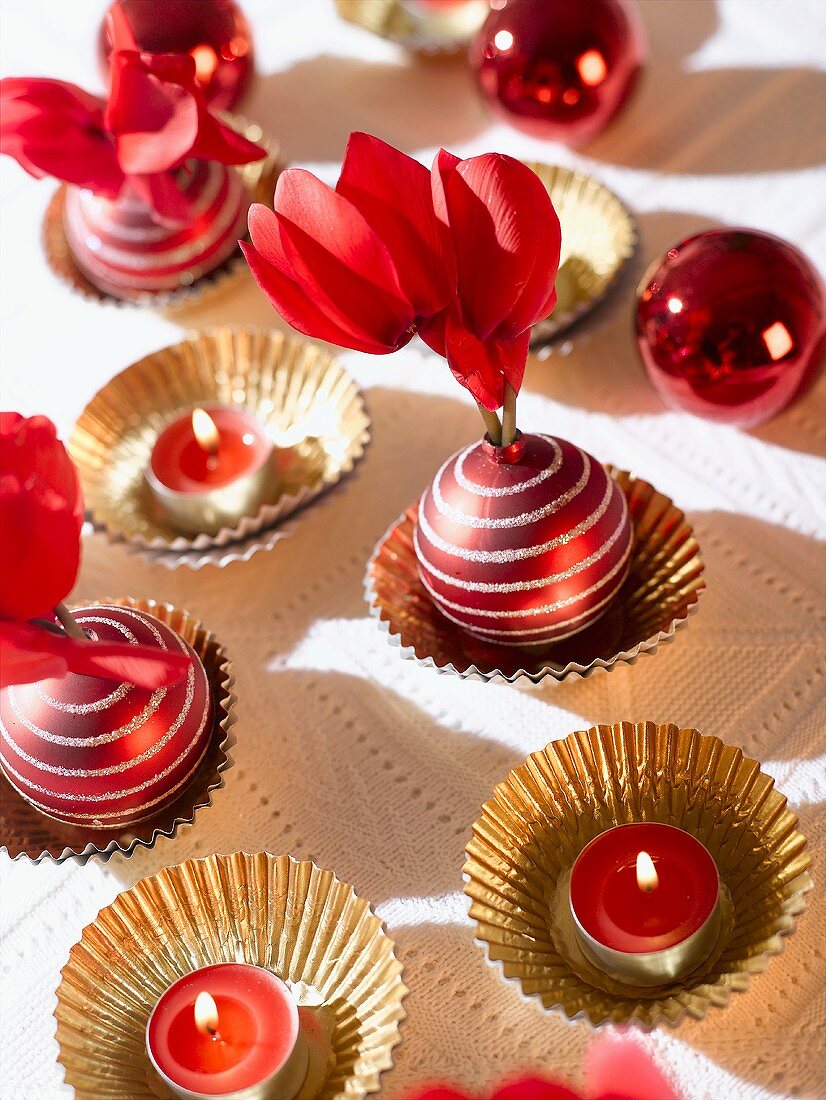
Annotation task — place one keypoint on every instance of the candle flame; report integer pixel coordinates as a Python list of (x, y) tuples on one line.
[(647, 877), (206, 1014), (206, 433)]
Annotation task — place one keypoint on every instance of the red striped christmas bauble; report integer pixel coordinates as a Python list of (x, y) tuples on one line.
[(100, 754), (122, 251), (523, 545)]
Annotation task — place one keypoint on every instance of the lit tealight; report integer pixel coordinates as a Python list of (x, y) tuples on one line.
[(503, 40), (647, 877), (675, 305)]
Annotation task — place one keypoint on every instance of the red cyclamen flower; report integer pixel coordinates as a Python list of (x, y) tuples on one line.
[(615, 1069), (466, 255), (156, 118), (41, 505), (506, 239), (41, 515), (358, 266)]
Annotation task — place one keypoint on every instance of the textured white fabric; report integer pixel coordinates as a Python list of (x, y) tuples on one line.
[(369, 764)]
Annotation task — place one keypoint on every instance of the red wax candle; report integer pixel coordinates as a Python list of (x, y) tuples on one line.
[(210, 467), (645, 899), (230, 444), (243, 1038)]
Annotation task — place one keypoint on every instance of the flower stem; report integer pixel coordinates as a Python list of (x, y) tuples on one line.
[(73, 629), (492, 424), (509, 416)]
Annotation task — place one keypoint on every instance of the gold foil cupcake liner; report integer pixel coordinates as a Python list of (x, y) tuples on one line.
[(259, 179), (662, 589), (292, 917), (312, 409), (599, 237), (25, 832), (545, 812), (420, 31)]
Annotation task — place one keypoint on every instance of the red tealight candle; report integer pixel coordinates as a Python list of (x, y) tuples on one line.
[(645, 899), (210, 467), (230, 1030)]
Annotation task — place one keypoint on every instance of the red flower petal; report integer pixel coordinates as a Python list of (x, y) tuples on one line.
[(41, 514), (29, 653), (21, 661), (444, 165), (483, 366), (52, 128), (298, 309), (320, 241), (393, 193), (619, 1069), (506, 235), (267, 237), (153, 120), (535, 1088), (432, 332)]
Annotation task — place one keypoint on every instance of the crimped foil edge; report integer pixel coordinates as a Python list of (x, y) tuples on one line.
[(547, 330), (313, 900), (259, 176), (666, 1009), (252, 533), (225, 701), (572, 671)]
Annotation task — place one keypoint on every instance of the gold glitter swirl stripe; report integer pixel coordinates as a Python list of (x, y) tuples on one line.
[(183, 253), (99, 705), (112, 735), (212, 187), (523, 519), (515, 554), (506, 490), (526, 613), (125, 816), (108, 796), (124, 765), (524, 586), (120, 692), (517, 638)]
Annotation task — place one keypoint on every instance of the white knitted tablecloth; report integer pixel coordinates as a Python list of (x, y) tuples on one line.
[(367, 763)]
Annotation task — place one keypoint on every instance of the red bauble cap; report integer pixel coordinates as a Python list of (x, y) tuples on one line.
[(121, 249), (559, 69), (96, 753), (525, 547), (731, 325)]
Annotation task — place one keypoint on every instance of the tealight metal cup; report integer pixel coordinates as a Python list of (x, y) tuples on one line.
[(210, 511)]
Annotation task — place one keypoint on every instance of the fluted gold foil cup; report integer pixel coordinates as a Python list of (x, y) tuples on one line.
[(27, 833), (292, 917), (599, 237), (311, 408), (540, 818), (259, 178), (664, 583), (414, 26)]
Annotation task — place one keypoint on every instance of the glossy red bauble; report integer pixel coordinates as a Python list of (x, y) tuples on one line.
[(523, 545), (559, 69), (731, 325), (100, 754), (121, 250), (214, 32)]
